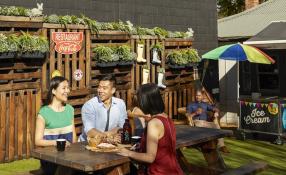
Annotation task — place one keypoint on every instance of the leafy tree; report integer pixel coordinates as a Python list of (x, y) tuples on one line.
[(231, 7)]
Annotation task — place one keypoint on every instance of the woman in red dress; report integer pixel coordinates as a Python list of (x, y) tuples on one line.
[(159, 141)]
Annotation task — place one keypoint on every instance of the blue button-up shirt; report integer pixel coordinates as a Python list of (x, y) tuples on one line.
[(205, 106), (94, 115)]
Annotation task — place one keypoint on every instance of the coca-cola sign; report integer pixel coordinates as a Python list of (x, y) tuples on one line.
[(67, 42)]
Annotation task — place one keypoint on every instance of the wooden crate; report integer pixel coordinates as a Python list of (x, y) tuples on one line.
[(123, 74), (18, 111), (149, 41), (67, 64)]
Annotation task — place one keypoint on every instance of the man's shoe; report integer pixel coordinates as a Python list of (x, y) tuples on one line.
[(224, 149)]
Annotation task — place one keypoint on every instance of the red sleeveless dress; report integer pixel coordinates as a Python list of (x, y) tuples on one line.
[(166, 160)]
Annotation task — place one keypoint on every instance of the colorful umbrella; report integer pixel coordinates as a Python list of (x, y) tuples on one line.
[(239, 52)]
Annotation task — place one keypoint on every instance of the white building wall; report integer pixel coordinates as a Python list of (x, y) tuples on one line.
[(228, 83)]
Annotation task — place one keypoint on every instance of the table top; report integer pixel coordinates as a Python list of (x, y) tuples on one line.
[(78, 157), (188, 136)]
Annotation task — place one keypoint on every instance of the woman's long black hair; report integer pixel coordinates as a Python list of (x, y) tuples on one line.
[(150, 100)]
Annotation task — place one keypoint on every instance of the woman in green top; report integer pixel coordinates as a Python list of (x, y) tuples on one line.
[(55, 119)]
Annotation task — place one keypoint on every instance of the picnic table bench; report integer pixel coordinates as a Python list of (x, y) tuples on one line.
[(78, 158), (205, 139)]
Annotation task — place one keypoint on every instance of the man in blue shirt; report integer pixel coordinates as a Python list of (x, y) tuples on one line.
[(197, 113), (103, 114)]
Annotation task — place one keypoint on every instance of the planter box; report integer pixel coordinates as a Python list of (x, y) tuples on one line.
[(175, 66), (7, 55), (21, 18), (107, 64), (37, 54), (124, 63)]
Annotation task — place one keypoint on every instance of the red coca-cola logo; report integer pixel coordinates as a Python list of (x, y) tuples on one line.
[(67, 42), (67, 47)]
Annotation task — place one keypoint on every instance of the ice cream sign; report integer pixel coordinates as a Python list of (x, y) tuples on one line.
[(67, 42)]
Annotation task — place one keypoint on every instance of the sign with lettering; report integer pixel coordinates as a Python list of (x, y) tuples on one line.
[(259, 116), (67, 42)]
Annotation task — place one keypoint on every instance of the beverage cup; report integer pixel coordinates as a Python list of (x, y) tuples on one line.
[(135, 139), (61, 144)]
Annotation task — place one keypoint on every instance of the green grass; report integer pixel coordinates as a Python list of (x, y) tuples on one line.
[(242, 152), (19, 166)]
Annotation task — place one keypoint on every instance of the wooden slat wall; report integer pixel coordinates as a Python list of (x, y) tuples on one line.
[(17, 121), (24, 83), (123, 74), (67, 64)]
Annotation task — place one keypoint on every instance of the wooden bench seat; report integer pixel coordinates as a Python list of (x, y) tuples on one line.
[(247, 169)]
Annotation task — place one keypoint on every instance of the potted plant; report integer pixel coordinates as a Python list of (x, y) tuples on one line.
[(140, 52), (191, 56), (8, 46), (145, 73), (156, 51), (105, 57), (161, 73), (160, 32), (126, 57), (92, 24), (176, 60), (32, 46)]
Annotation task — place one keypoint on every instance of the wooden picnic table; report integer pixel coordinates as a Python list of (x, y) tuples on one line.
[(205, 139), (79, 158)]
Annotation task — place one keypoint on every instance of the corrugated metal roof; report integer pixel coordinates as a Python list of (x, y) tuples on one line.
[(252, 21)]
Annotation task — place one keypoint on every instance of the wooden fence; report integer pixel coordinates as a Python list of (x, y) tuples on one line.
[(24, 82)]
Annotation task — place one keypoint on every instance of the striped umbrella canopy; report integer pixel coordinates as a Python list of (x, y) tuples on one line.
[(239, 52)]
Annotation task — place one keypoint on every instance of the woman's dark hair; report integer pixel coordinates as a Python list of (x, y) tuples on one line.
[(150, 100), (54, 84)]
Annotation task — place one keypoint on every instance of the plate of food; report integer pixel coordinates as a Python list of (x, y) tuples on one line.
[(103, 147), (103, 144)]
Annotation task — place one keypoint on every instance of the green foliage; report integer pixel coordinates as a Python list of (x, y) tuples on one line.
[(109, 54), (13, 43), (158, 46), (3, 43), (14, 11), (32, 43), (191, 55), (229, 7), (52, 19), (124, 53), (183, 57), (146, 66), (161, 70), (140, 31), (77, 20), (9, 43), (65, 20), (160, 32), (104, 54), (92, 24)]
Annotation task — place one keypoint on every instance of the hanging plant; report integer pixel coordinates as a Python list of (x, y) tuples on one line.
[(92, 24), (8, 46), (105, 56), (160, 32), (52, 19), (158, 47), (175, 60), (32, 46), (126, 57)]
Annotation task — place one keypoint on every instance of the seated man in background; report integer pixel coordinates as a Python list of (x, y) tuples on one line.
[(197, 116), (104, 114)]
